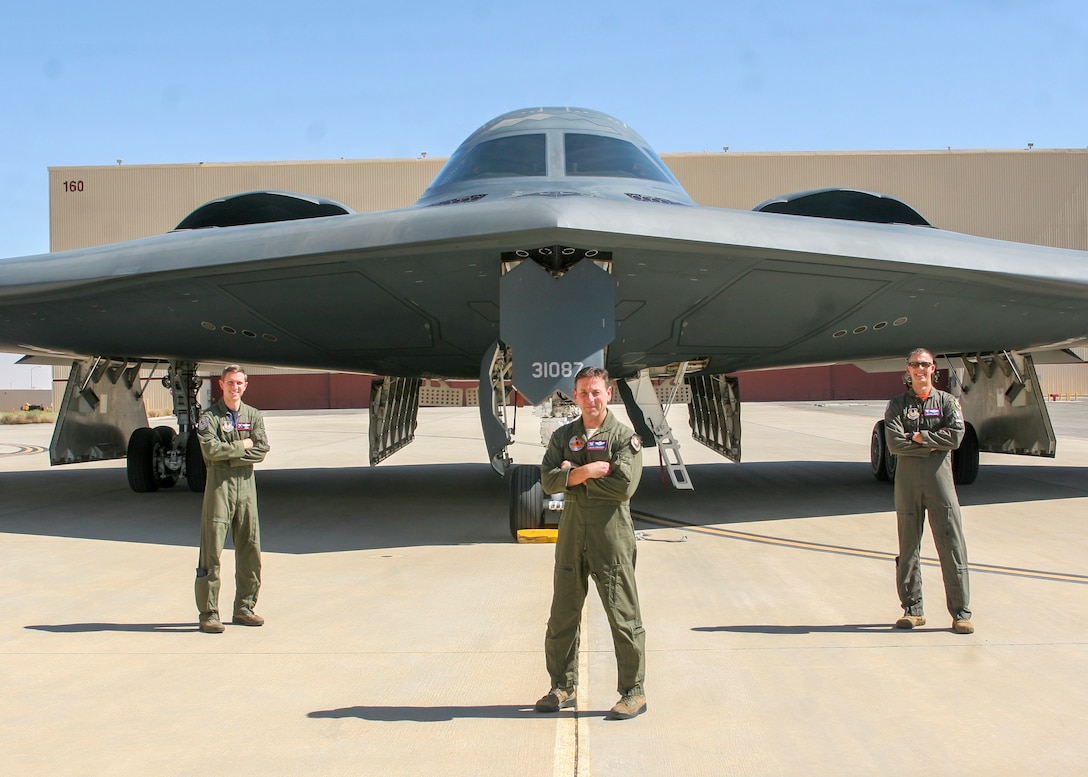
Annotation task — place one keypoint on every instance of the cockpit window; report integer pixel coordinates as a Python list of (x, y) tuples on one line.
[(595, 155), (517, 155)]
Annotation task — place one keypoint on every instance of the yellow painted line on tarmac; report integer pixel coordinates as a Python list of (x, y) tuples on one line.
[(1037, 574), (7, 449)]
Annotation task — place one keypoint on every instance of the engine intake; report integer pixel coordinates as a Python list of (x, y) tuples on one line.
[(260, 208)]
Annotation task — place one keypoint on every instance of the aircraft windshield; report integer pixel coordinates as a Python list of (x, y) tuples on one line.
[(594, 155), (514, 156)]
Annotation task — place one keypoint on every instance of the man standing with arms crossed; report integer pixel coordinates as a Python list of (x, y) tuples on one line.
[(922, 427), (232, 440), (596, 462)]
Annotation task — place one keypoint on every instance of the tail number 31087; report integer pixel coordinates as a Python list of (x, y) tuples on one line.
[(556, 369)]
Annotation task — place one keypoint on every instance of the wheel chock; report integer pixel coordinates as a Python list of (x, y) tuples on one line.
[(537, 535)]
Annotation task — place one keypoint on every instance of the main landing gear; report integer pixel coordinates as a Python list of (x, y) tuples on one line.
[(526, 499), (964, 458), (158, 456)]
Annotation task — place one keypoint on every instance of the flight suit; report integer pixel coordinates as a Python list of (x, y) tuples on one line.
[(923, 482), (596, 538), (230, 503)]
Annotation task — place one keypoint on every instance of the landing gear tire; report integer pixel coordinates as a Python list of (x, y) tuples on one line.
[(965, 458), (196, 471), (878, 452), (167, 478), (890, 463), (526, 499), (141, 460), (881, 459)]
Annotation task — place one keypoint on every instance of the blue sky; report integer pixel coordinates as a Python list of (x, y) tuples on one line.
[(91, 83)]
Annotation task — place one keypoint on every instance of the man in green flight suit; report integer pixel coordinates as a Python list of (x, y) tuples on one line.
[(232, 440), (596, 462), (922, 427)]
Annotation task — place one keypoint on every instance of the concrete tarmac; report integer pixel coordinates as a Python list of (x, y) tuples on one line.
[(405, 628)]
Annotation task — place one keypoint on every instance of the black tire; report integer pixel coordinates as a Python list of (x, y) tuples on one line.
[(878, 452), (890, 463), (196, 471), (166, 435), (526, 499), (141, 460), (965, 458)]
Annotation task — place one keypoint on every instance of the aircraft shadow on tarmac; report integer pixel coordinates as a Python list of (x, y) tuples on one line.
[(767, 491), (362, 508)]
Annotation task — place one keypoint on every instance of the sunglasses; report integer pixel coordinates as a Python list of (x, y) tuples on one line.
[(919, 364)]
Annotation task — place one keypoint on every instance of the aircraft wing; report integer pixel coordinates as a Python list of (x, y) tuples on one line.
[(417, 291)]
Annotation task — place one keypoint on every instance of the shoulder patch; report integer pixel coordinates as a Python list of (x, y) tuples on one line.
[(636, 443), (203, 423)]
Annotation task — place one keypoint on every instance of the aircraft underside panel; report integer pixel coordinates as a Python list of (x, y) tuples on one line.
[(302, 305), (493, 396), (1002, 399), (714, 413), (102, 406), (811, 300), (555, 324), (394, 407)]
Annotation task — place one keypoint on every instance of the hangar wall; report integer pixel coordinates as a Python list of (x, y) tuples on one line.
[(1033, 196), (1038, 196), (97, 205)]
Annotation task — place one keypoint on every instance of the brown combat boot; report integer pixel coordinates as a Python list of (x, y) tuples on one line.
[(246, 617), (210, 624), (628, 707), (557, 699), (910, 621)]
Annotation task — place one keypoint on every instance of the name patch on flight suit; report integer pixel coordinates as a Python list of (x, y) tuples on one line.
[(597, 445), (245, 426), (932, 412)]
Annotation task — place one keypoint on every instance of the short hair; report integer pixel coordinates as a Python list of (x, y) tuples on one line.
[(591, 372), (234, 368), (916, 351)]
